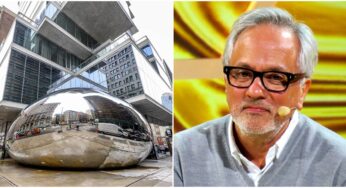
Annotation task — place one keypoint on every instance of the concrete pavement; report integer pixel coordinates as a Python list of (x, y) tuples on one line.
[(151, 173)]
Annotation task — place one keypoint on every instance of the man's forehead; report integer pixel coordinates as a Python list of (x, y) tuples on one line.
[(268, 66), (266, 47), (263, 31)]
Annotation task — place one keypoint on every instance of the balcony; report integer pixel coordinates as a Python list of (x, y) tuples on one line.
[(102, 20), (146, 105), (59, 36)]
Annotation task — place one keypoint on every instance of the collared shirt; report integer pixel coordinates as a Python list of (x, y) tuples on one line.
[(274, 152)]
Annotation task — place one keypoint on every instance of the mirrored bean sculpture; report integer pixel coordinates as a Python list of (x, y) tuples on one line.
[(79, 128)]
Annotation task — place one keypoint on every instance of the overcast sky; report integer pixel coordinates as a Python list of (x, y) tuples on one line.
[(152, 18), (155, 19)]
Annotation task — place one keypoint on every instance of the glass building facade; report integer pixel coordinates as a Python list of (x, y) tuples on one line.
[(28, 79), (31, 40)]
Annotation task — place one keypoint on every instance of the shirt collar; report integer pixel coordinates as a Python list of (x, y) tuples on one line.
[(281, 143), (278, 146)]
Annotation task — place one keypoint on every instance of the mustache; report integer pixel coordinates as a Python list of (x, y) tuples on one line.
[(257, 104)]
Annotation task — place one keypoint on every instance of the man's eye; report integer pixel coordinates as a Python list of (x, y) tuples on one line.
[(242, 74), (245, 74), (275, 77)]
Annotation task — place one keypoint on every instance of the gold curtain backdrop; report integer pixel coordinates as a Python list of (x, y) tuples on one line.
[(200, 32)]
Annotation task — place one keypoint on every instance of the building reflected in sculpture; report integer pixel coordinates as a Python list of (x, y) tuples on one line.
[(79, 128)]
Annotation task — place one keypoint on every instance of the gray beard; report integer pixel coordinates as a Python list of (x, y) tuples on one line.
[(249, 125)]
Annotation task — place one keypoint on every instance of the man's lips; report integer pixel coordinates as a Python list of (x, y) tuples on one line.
[(255, 109)]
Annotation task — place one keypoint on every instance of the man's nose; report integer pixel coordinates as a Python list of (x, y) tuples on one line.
[(256, 89)]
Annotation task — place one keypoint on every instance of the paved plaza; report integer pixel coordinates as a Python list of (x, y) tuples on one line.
[(153, 173)]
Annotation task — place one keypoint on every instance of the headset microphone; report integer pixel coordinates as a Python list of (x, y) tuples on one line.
[(284, 111)]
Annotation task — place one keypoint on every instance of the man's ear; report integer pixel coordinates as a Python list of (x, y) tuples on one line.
[(304, 90)]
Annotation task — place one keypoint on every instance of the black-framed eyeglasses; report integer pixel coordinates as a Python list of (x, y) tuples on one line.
[(273, 81)]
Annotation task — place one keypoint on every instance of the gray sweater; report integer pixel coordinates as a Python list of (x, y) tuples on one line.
[(313, 156)]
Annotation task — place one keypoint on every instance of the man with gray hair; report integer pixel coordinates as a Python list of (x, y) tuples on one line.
[(265, 141)]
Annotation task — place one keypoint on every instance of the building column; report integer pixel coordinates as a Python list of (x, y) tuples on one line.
[(152, 136), (4, 143)]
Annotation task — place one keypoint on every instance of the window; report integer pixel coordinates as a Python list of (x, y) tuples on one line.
[(147, 51)]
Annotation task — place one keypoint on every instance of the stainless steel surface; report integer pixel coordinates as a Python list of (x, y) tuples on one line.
[(149, 173), (79, 128)]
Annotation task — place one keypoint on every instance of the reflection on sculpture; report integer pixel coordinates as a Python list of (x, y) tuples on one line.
[(79, 128)]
